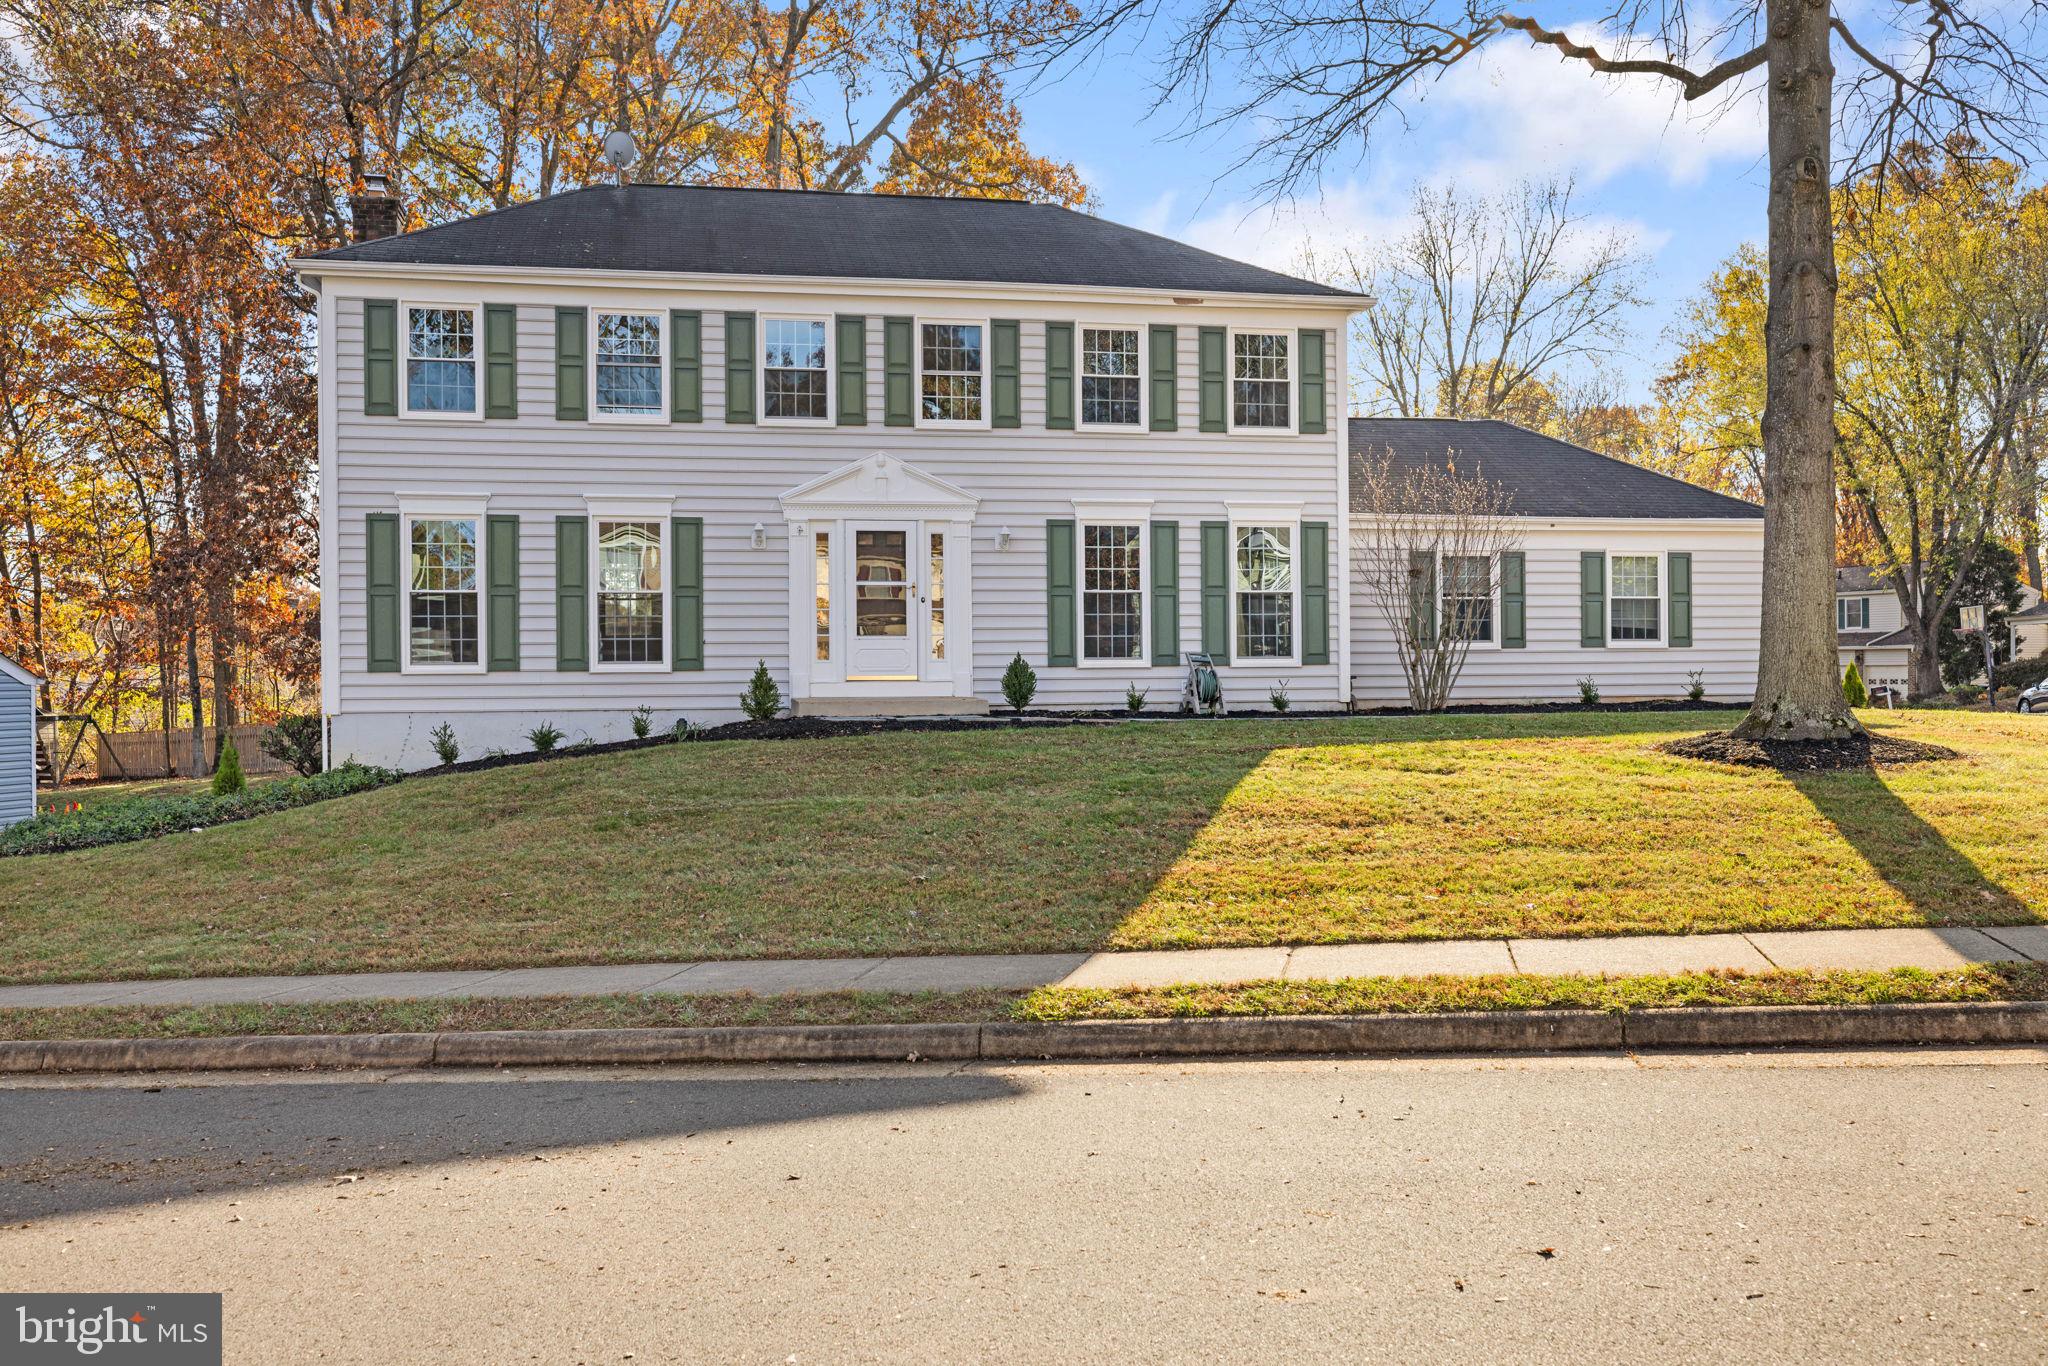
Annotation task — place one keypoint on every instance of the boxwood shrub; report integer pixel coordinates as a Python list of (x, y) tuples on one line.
[(141, 818)]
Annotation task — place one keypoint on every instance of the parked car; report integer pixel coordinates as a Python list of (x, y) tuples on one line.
[(2035, 698)]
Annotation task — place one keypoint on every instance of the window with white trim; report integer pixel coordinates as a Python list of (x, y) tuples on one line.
[(440, 361), (627, 371), (1261, 381), (1112, 590), (1635, 603), (824, 572), (794, 370), (1468, 596), (952, 368), (444, 564), (631, 593), (937, 595), (1112, 385), (1262, 581), (1852, 614)]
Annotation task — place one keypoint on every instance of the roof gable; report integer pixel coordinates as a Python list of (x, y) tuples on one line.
[(20, 675)]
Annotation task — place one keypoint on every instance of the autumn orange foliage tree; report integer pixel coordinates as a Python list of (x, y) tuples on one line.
[(159, 163)]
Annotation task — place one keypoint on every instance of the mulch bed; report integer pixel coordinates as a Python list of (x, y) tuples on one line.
[(1813, 756)]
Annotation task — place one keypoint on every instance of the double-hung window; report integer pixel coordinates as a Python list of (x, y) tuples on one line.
[(1635, 599), (1852, 614), (1261, 382), (1112, 386), (632, 597), (952, 373), (444, 569), (1262, 582), (1468, 596), (1112, 590), (440, 360), (628, 375), (795, 364)]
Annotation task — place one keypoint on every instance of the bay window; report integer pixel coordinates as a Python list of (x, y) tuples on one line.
[(440, 361), (627, 375)]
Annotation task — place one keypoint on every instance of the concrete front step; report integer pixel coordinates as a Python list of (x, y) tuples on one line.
[(893, 707)]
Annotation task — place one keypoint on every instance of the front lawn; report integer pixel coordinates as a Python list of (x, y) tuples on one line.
[(1068, 838)]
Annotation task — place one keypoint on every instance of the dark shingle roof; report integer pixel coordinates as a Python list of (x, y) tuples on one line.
[(1858, 640), (2034, 613), (1857, 579), (1547, 477), (703, 229)]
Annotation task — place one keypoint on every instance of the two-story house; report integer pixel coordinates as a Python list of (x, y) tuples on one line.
[(609, 449), (1870, 629)]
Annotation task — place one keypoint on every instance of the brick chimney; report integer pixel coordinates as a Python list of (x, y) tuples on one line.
[(375, 210)]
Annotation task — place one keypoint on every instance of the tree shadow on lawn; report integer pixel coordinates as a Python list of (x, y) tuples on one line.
[(1941, 883)]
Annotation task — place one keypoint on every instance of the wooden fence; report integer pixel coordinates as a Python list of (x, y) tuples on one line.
[(140, 753)]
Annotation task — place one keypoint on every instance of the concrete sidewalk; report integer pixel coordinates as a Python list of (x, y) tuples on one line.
[(1816, 950)]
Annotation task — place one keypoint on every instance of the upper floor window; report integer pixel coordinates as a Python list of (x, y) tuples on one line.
[(440, 361), (1852, 614), (952, 373), (1636, 610), (1261, 381), (1111, 386), (627, 375), (1263, 599), (794, 366), (442, 575)]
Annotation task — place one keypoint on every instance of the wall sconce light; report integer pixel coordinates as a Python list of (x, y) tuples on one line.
[(1003, 539), (760, 537)]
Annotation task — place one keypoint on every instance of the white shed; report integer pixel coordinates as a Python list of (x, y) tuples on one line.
[(17, 742)]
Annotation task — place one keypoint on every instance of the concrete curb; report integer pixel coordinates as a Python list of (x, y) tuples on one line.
[(1476, 1032)]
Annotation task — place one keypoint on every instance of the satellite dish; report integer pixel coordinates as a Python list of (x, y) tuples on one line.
[(619, 149)]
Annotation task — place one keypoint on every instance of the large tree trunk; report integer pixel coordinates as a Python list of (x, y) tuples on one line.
[(1798, 696), (1923, 662), (199, 765)]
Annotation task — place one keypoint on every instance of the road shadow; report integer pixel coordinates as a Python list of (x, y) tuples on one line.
[(90, 1148)]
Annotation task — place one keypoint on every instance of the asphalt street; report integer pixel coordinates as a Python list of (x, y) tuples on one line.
[(1876, 1206)]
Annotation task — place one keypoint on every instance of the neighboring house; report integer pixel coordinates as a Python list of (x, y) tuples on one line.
[(1623, 575), (611, 448), (1870, 629), (17, 743), (2029, 628)]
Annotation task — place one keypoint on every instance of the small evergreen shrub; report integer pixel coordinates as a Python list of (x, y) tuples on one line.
[(1589, 690), (294, 740), (544, 737), (227, 774), (446, 747), (643, 722), (683, 730), (1696, 685), (141, 818), (762, 699), (1134, 699), (1853, 691), (1020, 684), (1278, 696)]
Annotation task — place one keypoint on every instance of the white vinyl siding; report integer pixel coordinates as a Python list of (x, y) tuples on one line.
[(17, 749)]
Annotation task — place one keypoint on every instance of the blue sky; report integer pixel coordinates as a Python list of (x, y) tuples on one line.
[(1689, 189)]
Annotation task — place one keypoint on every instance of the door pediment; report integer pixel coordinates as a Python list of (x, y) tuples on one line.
[(880, 484)]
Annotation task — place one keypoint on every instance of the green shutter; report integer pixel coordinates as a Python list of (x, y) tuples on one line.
[(1166, 593), (1164, 363), (739, 367), (899, 372), (501, 360), (1006, 398), (382, 561), (572, 361), (686, 553), (1422, 598), (1215, 377), (686, 366), (1059, 593), (380, 357), (1216, 591), (501, 564), (1514, 601), (1680, 569), (1059, 376), (1315, 383), (1315, 592), (852, 343), (1592, 599), (572, 593)]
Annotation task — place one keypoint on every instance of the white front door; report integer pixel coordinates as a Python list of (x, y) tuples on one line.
[(886, 626)]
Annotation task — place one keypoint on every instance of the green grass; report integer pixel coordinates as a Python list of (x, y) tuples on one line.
[(1357, 996), (91, 795), (1131, 835)]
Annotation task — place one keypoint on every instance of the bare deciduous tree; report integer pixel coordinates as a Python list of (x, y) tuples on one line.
[(1428, 541), (1316, 77)]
